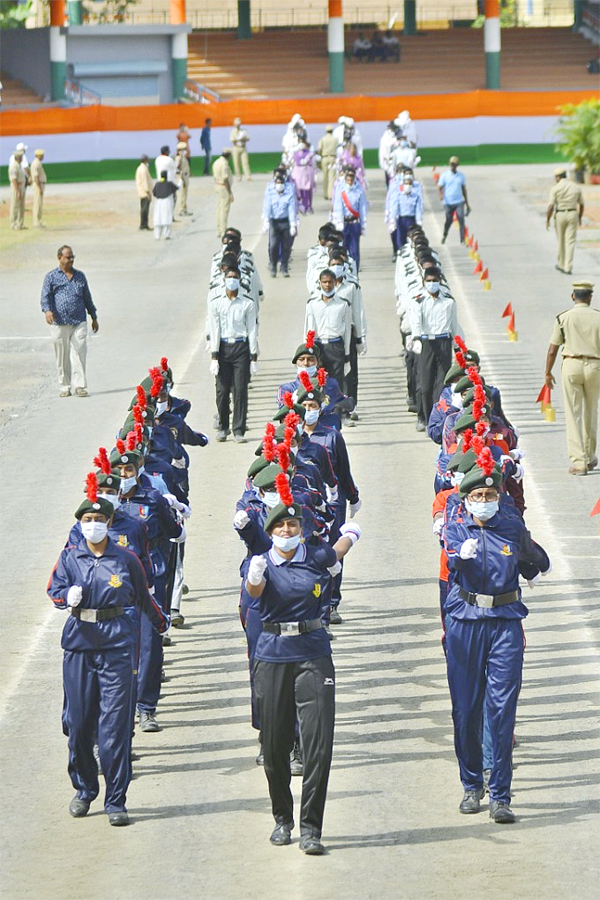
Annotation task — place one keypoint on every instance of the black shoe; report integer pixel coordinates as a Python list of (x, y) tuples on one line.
[(166, 640), (501, 812), (148, 722), (273, 273), (334, 616), (185, 590), (285, 274), (329, 632), (444, 239), (470, 802), (420, 426), (282, 834), (118, 818), (79, 807), (296, 765), (412, 408), (177, 619), (311, 845)]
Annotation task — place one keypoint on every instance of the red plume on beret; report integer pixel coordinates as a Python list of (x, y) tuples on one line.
[(480, 428), (282, 483), (130, 441), (477, 444), (460, 359), (158, 384), (141, 397), (474, 376), (477, 410), (290, 422), (305, 381), (287, 400), (139, 433), (120, 446), (310, 339), (91, 487), (321, 376), (268, 450), (460, 343), (283, 456), (102, 461), (467, 439), (164, 363), (138, 415), (485, 461)]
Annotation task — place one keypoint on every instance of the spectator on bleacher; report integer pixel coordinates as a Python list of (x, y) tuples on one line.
[(239, 137), (390, 46), (362, 47)]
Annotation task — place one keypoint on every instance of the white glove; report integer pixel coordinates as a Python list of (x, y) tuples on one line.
[(256, 569), (417, 346), (351, 531), (354, 508), (332, 493), (179, 463), (409, 343), (391, 227), (347, 368), (361, 347), (335, 569), (293, 231), (214, 367), (516, 454), (174, 503), (438, 524), (253, 368), (74, 595), (241, 519), (265, 225), (185, 511), (181, 538), (207, 346), (533, 581), (468, 549), (518, 476)]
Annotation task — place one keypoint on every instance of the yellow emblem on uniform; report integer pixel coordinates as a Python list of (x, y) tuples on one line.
[(506, 551), (317, 590), (122, 541), (326, 400), (115, 581)]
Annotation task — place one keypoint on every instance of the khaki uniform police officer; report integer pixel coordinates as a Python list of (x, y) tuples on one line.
[(183, 172), (327, 150), (566, 202), (38, 180), (223, 179), (577, 330), (18, 183)]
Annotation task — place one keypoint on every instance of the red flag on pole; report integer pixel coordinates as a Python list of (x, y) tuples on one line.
[(478, 268), (484, 275), (544, 396), (596, 509), (507, 312)]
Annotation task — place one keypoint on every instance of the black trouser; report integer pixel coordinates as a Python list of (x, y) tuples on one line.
[(434, 362), (412, 377), (280, 243), (144, 210), (305, 690), (332, 357), (351, 380), (234, 375), (459, 208), (352, 230), (206, 162), (403, 223)]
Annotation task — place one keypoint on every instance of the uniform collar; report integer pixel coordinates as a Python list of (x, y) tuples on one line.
[(299, 556)]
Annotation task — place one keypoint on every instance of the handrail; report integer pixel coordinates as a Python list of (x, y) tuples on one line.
[(81, 95), (199, 93)]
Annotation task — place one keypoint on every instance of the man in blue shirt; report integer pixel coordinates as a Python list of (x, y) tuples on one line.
[(453, 194), (206, 145), (66, 299), (280, 219), (350, 212)]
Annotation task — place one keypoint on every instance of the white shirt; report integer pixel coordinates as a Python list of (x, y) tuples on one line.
[(318, 259), (230, 320), (329, 319), (351, 292), (436, 315), (166, 164)]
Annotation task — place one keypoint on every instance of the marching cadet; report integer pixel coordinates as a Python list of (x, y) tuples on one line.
[(350, 213), (182, 175), (38, 181), (349, 289), (330, 317), (104, 588), (280, 220), (292, 657), (318, 256), (234, 352), (404, 207), (484, 634)]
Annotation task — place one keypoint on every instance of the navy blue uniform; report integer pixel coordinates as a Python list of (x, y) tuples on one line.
[(295, 678), (125, 532), (334, 400), (485, 646), (99, 663)]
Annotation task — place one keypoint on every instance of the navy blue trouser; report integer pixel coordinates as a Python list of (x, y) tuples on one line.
[(352, 241), (484, 664), (252, 625), (280, 243), (403, 223), (99, 706), (151, 656)]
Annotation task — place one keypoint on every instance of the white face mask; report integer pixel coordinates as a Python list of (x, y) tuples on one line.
[(94, 532), (285, 544), (161, 407), (279, 187), (337, 270), (407, 187), (457, 477), (311, 416), (128, 483), (270, 499), (232, 284), (328, 293), (432, 286), (456, 400), (310, 370), (112, 498), (141, 471), (483, 509)]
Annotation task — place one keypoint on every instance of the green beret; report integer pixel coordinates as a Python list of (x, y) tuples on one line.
[(462, 462), (280, 433), (467, 420), (267, 475), (453, 374), (150, 400), (99, 506), (470, 394), (465, 383), (109, 481), (128, 456), (284, 410), (476, 478), (281, 512), (303, 349), (259, 463), (314, 394)]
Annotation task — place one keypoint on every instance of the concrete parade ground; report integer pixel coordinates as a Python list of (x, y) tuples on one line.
[(198, 803)]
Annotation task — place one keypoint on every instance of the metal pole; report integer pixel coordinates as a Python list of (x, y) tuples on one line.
[(410, 17), (58, 50), (244, 31), (335, 46), (491, 43)]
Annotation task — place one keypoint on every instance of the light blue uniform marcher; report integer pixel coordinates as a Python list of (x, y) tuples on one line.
[(280, 219)]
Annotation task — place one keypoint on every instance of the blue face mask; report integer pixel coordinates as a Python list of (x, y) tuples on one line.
[(128, 483), (328, 293), (232, 284), (483, 509), (311, 416), (310, 370), (337, 270), (285, 544), (270, 499)]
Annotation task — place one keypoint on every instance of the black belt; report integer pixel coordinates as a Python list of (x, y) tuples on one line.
[(581, 356), (434, 337), (292, 627), (571, 209), (351, 219), (488, 600), (96, 615), (234, 340), (283, 219)]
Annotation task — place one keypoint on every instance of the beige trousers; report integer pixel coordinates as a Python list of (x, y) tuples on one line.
[(241, 161), (581, 389), (17, 207), (70, 350), (38, 202), (566, 233), (182, 194), (328, 169), (223, 206)]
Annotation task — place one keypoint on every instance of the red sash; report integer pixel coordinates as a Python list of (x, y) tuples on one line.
[(348, 207)]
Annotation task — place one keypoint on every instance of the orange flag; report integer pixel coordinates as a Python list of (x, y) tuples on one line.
[(511, 323), (544, 396), (596, 509), (484, 275), (507, 312), (478, 268)]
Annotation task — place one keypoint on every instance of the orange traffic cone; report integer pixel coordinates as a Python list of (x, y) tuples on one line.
[(478, 268)]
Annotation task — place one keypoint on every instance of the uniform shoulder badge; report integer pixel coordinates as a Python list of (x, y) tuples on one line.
[(122, 540), (317, 590), (144, 512), (506, 551), (115, 582)]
